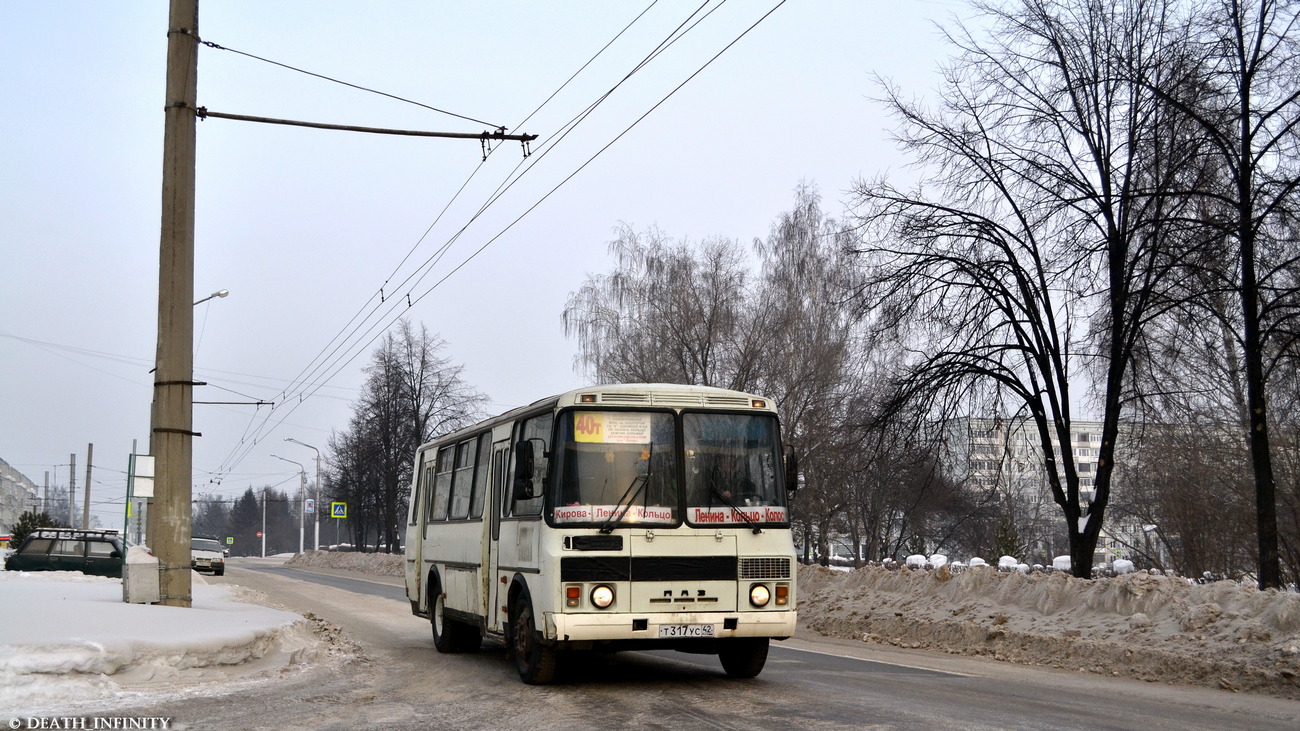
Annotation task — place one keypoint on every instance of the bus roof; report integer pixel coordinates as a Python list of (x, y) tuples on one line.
[(659, 395)]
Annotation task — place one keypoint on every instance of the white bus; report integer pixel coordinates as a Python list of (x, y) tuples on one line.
[(609, 518)]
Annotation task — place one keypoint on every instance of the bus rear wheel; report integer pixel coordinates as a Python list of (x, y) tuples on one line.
[(745, 657), (448, 634), (535, 661)]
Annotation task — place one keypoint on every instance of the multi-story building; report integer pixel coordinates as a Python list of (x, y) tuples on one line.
[(1006, 456), (17, 494)]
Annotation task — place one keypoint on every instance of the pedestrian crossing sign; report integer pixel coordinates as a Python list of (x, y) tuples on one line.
[(338, 510)]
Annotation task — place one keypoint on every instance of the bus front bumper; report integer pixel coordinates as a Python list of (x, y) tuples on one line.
[(576, 627)]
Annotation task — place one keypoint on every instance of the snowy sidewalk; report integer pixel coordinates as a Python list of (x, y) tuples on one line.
[(69, 644)]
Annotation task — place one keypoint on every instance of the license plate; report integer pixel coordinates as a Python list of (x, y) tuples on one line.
[(685, 630)]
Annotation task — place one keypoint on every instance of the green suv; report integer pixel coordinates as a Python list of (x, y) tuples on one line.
[(94, 552)]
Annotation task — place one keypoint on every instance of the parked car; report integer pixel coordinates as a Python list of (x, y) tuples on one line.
[(94, 552), (207, 554)]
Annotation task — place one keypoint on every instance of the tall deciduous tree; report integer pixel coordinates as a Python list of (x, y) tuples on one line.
[(1045, 203), (670, 312), (412, 393), (1243, 91), (700, 314)]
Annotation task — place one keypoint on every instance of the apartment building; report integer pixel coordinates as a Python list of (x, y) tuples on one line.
[(1006, 456), (17, 494)]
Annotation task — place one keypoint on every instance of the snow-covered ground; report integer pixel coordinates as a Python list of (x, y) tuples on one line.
[(69, 644)]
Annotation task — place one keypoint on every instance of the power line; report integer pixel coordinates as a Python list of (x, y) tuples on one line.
[(327, 352), (210, 44), (309, 369), (248, 443), (552, 143)]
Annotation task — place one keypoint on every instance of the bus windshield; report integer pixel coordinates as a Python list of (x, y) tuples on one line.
[(619, 465), (623, 467), (732, 469)]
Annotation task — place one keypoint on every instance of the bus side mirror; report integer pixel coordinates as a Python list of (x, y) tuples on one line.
[(791, 470), (524, 470)]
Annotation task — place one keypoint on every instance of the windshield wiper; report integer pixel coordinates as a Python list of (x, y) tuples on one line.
[(625, 502), (718, 493)]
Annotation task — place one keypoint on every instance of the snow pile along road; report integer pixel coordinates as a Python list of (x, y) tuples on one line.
[(379, 564), (1149, 627), (69, 642)]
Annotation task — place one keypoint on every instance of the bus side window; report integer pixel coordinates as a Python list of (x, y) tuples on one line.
[(442, 483), (463, 481), (537, 430), (480, 476)]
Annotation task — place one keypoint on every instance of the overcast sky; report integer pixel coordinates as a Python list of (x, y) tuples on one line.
[(304, 227)]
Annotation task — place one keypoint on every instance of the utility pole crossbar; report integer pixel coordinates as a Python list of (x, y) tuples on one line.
[(498, 134)]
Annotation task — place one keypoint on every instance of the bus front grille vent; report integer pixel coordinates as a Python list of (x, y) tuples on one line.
[(734, 401), (764, 568), (624, 398), (677, 398)]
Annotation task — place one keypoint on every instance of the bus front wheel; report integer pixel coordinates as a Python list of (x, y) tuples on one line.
[(535, 661), (745, 657)]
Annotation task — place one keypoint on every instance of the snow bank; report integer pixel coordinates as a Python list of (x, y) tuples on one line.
[(1138, 625), (382, 564), (67, 639)]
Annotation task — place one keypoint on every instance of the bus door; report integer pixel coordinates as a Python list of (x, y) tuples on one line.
[(495, 599), (417, 525)]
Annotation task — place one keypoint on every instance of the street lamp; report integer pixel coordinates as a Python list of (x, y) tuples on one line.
[(316, 512), (218, 293), (302, 492)]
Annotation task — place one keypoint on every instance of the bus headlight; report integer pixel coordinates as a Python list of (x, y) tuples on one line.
[(759, 595), (602, 596)]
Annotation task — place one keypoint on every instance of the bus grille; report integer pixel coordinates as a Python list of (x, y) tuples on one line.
[(764, 568)]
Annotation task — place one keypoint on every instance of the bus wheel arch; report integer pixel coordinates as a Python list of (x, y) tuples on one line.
[(449, 635), (536, 660)]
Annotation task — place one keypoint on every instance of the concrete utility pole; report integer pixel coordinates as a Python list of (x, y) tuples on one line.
[(85, 511), (72, 490), (173, 409), (316, 513)]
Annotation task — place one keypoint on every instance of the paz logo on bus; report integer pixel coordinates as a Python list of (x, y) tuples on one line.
[(338, 510)]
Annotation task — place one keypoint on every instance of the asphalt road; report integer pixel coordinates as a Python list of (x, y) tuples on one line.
[(397, 680)]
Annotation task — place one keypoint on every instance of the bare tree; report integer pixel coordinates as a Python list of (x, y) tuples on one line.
[(411, 394), (1177, 476), (668, 312), (694, 313), (1244, 94), (1047, 203)]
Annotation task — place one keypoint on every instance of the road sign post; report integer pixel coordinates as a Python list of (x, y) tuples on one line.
[(338, 510)]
